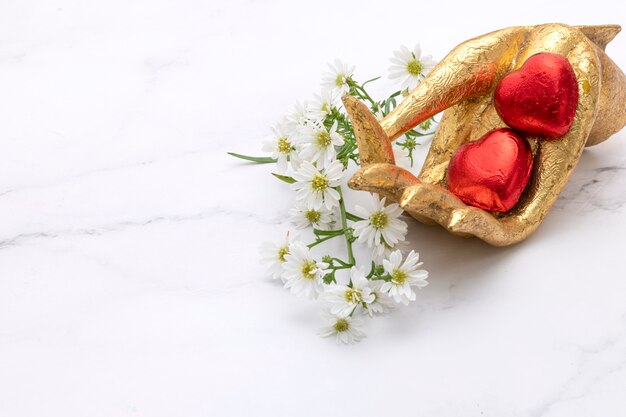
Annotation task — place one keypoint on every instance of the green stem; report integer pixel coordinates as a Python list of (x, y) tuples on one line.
[(342, 262), (414, 133), (347, 148), (328, 232), (372, 271), (344, 224), (361, 91), (366, 96), (324, 239), (385, 277), (341, 267)]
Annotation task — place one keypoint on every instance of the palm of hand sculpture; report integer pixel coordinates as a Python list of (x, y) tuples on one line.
[(463, 84)]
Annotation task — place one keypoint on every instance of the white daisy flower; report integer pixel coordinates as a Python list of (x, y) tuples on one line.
[(322, 104), (347, 330), (304, 217), (302, 272), (381, 303), (314, 187), (281, 146), (404, 276), (381, 226), (336, 79), (300, 117), (294, 159), (346, 298), (410, 66), (318, 143), (382, 251), (274, 255)]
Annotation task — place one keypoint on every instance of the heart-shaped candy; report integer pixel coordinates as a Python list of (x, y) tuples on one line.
[(491, 172), (540, 98)]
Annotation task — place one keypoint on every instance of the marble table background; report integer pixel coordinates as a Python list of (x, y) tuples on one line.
[(129, 274)]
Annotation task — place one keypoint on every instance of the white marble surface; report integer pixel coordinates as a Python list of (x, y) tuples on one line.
[(129, 275)]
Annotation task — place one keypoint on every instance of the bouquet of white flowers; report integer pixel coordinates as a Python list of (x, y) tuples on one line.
[(312, 147)]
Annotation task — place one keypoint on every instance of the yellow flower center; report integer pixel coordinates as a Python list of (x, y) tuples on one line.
[(379, 220), (313, 216), (414, 67), (284, 146), (323, 138), (340, 80), (319, 183), (353, 296), (282, 252), (341, 325), (307, 269), (398, 276)]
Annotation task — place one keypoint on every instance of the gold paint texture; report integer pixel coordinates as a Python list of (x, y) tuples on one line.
[(462, 84)]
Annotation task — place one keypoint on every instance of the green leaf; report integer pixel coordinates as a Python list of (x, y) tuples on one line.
[(256, 159), (369, 81), (288, 180), (352, 217), (387, 105)]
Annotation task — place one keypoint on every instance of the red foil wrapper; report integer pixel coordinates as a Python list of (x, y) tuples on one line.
[(491, 172), (540, 98)]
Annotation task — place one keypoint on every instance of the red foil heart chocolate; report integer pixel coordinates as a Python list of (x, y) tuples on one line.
[(492, 172), (540, 98)]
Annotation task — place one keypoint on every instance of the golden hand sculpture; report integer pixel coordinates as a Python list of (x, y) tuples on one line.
[(463, 84)]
